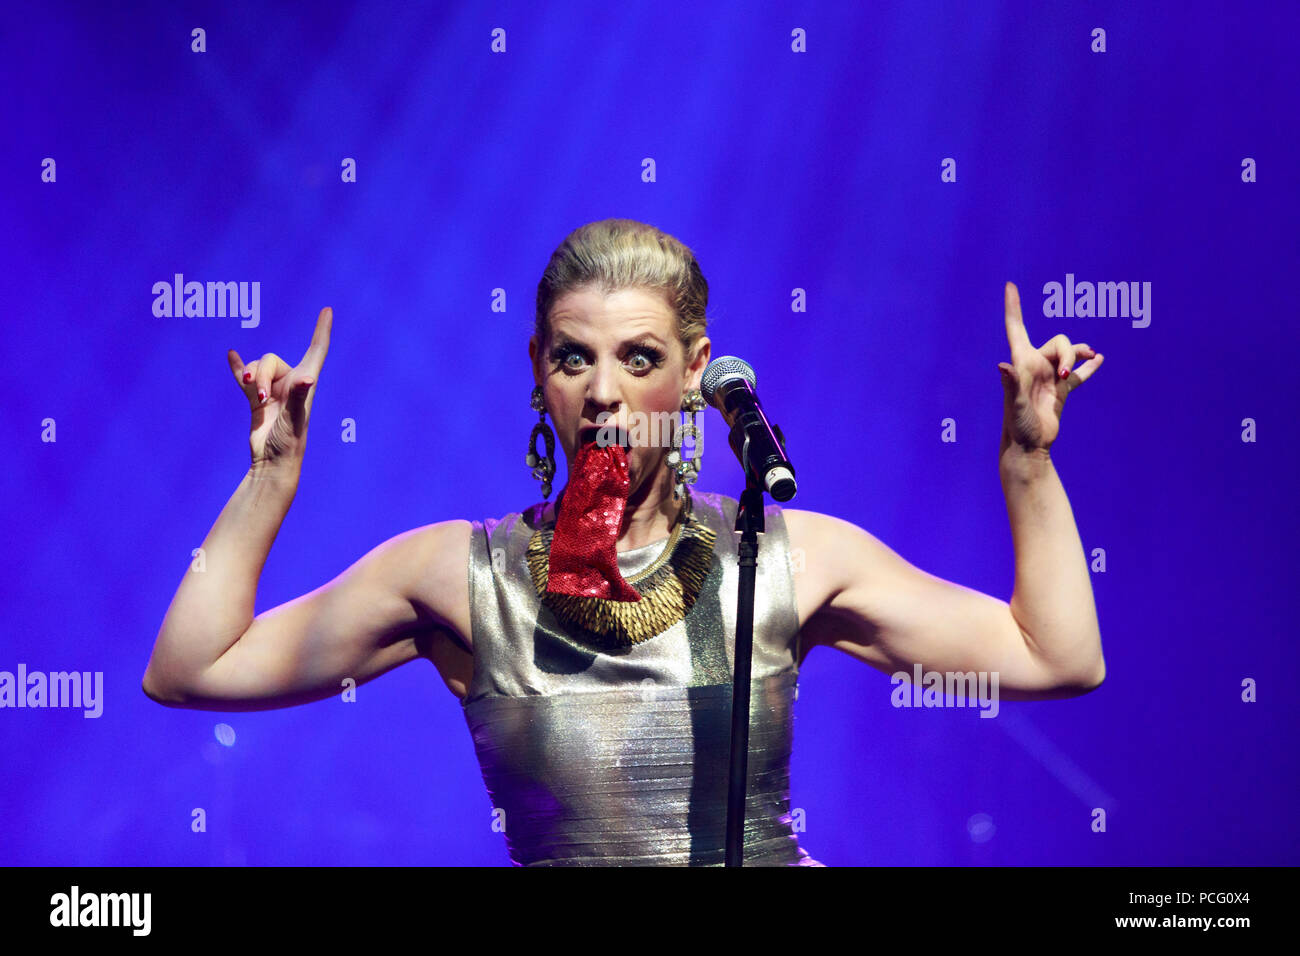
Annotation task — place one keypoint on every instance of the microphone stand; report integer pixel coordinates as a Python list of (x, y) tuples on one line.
[(749, 522)]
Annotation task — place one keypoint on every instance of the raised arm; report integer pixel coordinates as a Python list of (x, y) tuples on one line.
[(212, 654), (859, 596)]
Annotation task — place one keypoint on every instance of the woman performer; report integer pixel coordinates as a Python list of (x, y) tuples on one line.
[(590, 639)]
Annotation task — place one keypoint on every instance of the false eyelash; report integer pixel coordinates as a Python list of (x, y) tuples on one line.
[(654, 355), (560, 353)]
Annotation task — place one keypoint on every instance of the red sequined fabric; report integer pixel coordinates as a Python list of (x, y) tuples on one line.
[(584, 561)]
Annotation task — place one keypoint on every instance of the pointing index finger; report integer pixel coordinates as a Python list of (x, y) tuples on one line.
[(314, 357), (1017, 337)]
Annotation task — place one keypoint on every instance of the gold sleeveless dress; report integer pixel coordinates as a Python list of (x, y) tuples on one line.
[(618, 756)]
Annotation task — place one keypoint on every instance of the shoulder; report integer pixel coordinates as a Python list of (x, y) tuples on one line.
[(812, 530), (841, 550), (832, 557), (428, 565), (431, 564), (436, 540), (817, 545), (408, 556)]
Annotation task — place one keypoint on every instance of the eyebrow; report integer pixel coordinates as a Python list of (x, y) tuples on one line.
[(559, 339)]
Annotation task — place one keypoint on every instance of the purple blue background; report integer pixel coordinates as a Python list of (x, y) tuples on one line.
[(818, 171)]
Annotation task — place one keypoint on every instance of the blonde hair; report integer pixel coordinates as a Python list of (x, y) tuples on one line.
[(616, 254)]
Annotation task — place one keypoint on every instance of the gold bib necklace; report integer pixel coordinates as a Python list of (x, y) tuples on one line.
[(668, 587)]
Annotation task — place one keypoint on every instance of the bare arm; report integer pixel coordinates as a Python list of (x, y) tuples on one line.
[(213, 606), (862, 598), (212, 654), (1052, 599)]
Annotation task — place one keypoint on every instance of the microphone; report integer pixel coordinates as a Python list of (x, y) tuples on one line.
[(728, 385)]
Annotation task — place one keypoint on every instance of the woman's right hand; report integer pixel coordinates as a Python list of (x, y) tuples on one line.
[(281, 398)]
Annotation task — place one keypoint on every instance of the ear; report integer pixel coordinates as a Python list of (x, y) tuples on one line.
[(695, 370), (534, 355)]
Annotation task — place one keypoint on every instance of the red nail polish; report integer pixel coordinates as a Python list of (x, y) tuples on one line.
[(1065, 373), (248, 376)]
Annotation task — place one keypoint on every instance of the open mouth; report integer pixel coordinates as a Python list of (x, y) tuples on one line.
[(603, 436)]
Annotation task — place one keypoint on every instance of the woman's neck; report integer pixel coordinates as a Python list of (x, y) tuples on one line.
[(650, 512)]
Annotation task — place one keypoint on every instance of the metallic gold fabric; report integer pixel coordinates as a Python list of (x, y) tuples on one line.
[(618, 757), (668, 589)]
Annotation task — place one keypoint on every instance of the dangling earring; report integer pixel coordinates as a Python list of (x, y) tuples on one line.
[(687, 469), (543, 468)]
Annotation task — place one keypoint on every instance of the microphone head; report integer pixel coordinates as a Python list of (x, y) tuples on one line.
[(781, 484), (723, 370)]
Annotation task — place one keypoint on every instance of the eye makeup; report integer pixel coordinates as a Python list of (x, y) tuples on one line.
[(562, 352)]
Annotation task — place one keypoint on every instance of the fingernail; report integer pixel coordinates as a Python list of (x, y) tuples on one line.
[(1065, 373), (261, 395), (248, 376)]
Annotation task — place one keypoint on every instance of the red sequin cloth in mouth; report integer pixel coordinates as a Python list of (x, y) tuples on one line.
[(584, 560)]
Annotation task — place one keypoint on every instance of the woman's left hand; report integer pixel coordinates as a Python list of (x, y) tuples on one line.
[(1037, 380)]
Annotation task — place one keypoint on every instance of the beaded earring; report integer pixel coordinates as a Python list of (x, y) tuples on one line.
[(543, 467), (687, 469)]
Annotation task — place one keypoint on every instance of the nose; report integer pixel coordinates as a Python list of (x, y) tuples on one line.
[(603, 388)]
